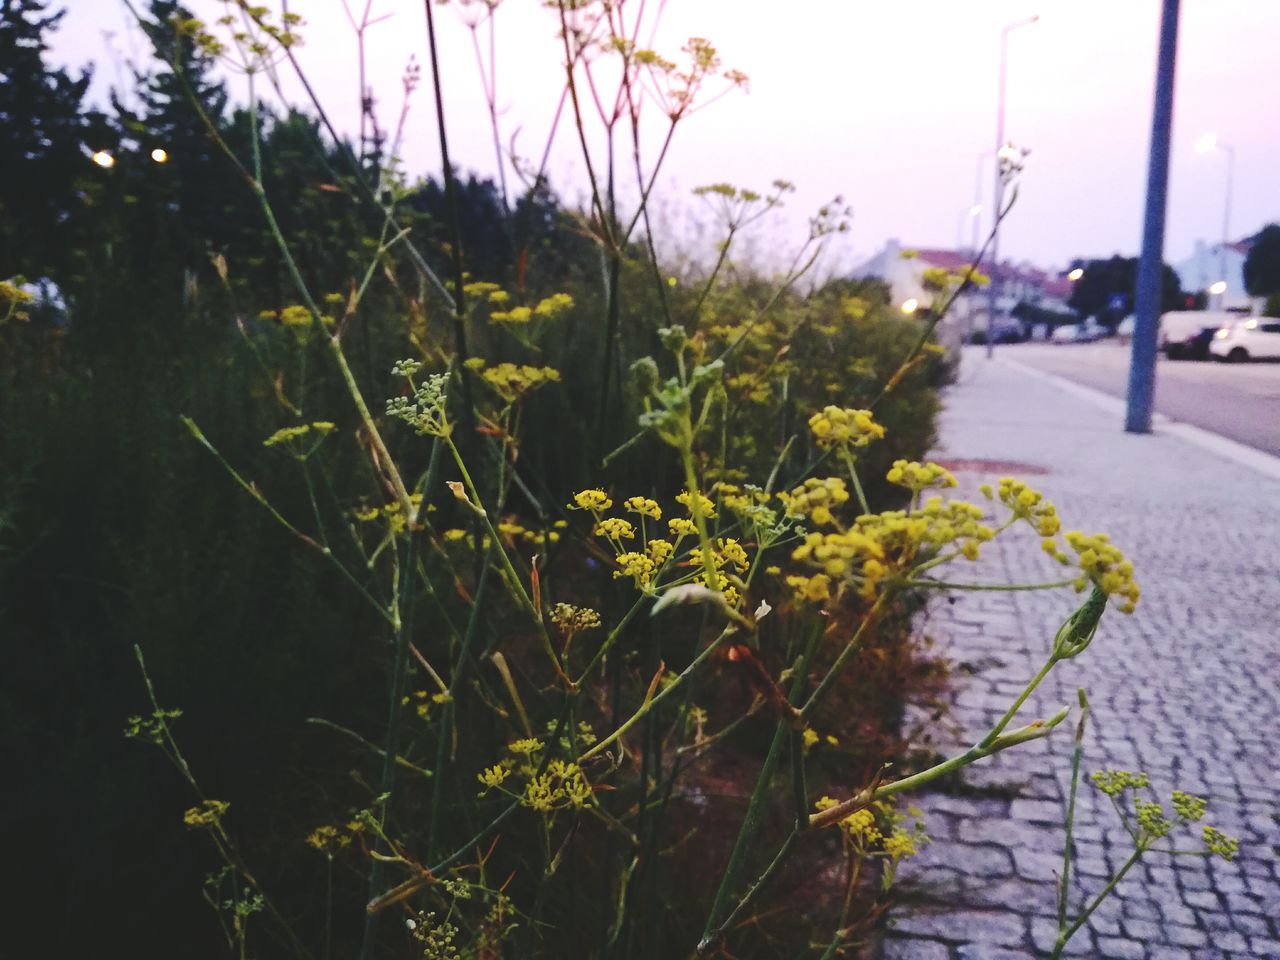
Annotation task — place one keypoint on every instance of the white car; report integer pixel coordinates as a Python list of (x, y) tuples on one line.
[(1068, 333), (1255, 338)]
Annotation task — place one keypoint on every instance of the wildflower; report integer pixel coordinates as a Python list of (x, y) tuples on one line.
[(327, 839), (660, 550), (1106, 566), (638, 566), (1115, 782), (615, 529), (814, 589), (514, 315), (681, 527), (1029, 505), (1218, 842), (208, 814), (919, 476), (643, 506), (553, 306), (406, 368), (525, 747), (286, 435), (426, 411), (570, 619), (835, 426), (593, 500), (900, 845), (1188, 807), (815, 498), (491, 777), (705, 506), (513, 382), (295, 316), (1151, 819)]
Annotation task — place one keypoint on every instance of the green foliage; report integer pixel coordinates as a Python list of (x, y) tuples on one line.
[(1262, 265), (1103, 279)]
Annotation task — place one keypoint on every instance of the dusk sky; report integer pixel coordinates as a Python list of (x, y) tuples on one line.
[(889, 103)]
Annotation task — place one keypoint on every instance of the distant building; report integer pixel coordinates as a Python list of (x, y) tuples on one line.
[(1211, 263), (1016, 284)]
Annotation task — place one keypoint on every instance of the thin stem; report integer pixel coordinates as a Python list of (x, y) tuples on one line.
[(1097, 901)]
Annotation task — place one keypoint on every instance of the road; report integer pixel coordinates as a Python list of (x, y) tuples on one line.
[(1237, 401)]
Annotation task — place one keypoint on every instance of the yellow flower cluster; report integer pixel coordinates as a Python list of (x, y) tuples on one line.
[(563, 785), (643, 506), (847, 427), (815, 499), (1027, 504), (286, 435), (814, 589), (705, 505), (615, 529), (570, 619), (514, 315), (954, 521), (640, 567), (513, 381), (513, 531), (917, 476), (681, 527), (208, 814), (593, 500), (1106, 566), (742, 501), (328, 839)]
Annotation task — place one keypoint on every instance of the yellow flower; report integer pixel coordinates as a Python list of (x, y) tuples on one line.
[(593, 500), (643, 506), (705, 506), (616, 529), (836, 426), (919, 476)]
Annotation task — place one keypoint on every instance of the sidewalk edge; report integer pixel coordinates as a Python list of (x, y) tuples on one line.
[(1228, 449)]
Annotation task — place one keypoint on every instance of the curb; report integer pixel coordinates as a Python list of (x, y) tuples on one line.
[(1257, 460)]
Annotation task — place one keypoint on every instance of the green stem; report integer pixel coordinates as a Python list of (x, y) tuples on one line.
[(1022, 697), (1097, 901)]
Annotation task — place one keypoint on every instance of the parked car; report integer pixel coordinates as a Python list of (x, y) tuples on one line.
[(1124, 329), (1257, 338), (1067, 333), (1006, 330), (1185, 334)]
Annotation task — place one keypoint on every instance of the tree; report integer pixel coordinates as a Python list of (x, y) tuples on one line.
[(42, 139), (1262, 265), (1108, 289)]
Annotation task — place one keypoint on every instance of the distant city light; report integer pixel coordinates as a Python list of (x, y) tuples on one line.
[(909, 306), (103, 159), (1075, 274), (160, 155), (1218, 287)]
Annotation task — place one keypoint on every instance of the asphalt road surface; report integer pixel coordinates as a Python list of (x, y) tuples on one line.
[(1237, 401)]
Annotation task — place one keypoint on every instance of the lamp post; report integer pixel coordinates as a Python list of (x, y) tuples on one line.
[(1209, 143), (997, 195)]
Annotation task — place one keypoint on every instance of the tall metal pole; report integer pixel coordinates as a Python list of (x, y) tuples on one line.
[(997, 193), (1142, 363), (1226, 222)]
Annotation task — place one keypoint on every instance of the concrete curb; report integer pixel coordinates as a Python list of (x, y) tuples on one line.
[(1263, 463)]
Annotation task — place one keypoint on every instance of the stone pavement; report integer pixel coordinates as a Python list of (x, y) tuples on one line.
[(1186, 689)]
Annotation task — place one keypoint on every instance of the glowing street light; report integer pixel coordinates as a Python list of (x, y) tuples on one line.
[(1075, 274), (1218, 288), (975, 210), (103, 159), (1209, 143), (160, 155), (909, 306)]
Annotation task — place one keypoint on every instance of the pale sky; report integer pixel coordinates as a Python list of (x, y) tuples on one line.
[(890, 104)]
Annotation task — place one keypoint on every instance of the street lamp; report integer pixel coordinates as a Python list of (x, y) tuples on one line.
[(1218, 287), (160, 155), (1209, 143), (103, 159), (909, 306), (997, 196), (1075, 274)]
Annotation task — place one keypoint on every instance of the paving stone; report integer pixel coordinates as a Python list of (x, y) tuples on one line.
[(999, 927), (1121, 949), (913, 949)]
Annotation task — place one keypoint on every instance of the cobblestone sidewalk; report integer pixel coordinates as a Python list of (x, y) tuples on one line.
[(1187, 689)]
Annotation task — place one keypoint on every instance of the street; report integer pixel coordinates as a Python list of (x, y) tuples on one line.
[(1238, 401)]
